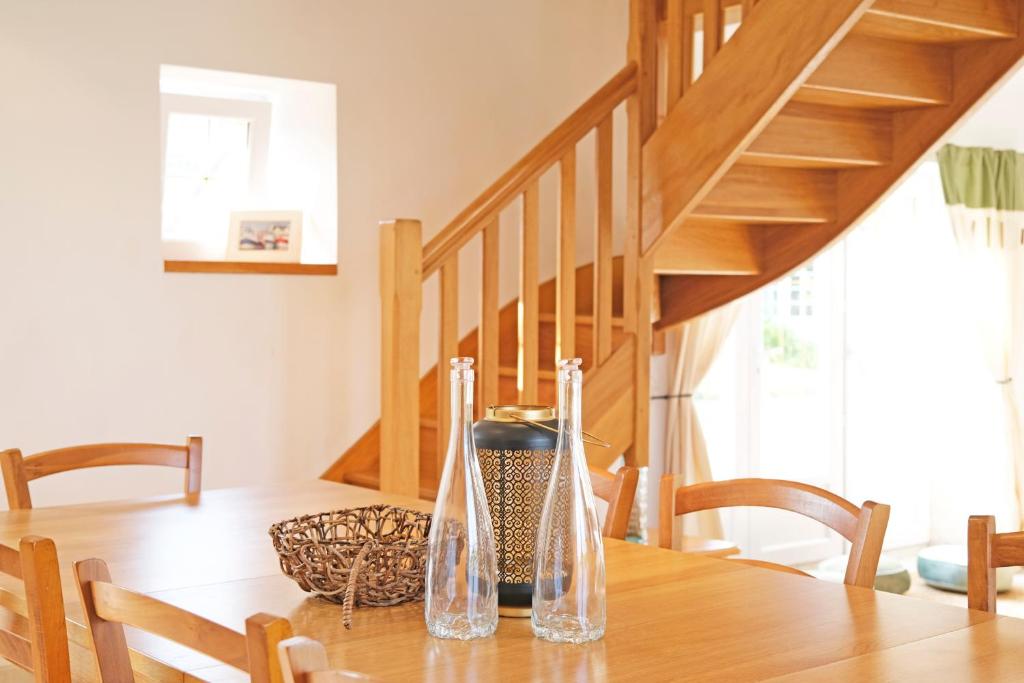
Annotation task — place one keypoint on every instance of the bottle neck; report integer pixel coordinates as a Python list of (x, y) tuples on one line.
[(570, 413), (461, 399)]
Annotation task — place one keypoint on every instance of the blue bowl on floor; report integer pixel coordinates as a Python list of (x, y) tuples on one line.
[(945, 567)]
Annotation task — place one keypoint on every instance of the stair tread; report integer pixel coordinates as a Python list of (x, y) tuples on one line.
[(968, 20)]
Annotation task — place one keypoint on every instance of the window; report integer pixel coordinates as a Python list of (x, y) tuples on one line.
[(214, 159), (256, 147), (862, 388)]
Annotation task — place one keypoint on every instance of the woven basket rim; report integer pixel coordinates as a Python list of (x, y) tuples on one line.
[(287, 525)]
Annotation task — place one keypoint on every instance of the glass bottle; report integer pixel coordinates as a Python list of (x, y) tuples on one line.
[(568, 570), (462, 568)]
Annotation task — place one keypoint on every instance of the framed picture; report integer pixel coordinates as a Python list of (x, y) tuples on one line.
[(268, 236)]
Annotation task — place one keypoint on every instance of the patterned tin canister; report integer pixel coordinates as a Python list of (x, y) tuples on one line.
[(515, 460)]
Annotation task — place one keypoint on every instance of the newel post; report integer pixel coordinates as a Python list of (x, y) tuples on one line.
[(401, 260)]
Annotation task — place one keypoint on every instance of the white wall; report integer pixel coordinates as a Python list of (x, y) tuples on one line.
[(279, 374), (996, 122)]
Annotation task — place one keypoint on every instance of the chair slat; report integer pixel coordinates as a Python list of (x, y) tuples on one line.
[(117, 604), (10, 561), (109, 608), (19, 470), (15, 645), (820, 505), (864, 527), (1008, 549), (101, 455)]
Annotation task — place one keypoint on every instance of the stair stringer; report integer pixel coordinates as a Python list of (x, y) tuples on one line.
[(978, 68)]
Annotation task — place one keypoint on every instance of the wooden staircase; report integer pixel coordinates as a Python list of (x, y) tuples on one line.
[(797, 125), (838, 100), (612, 389)]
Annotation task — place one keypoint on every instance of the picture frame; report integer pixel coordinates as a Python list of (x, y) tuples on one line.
[(265, 236)]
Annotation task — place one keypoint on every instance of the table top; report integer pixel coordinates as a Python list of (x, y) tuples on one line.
[(671, 615)]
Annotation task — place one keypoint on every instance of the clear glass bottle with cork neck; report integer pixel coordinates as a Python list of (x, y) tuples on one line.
[(461, 596), (569, 573)]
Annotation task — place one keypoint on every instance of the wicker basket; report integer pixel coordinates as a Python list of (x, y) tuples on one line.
[(371, 556)]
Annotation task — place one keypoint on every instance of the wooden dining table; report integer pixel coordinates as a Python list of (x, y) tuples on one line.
[(671, 615)]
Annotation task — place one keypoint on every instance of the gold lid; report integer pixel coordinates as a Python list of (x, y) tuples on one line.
[(519, 413)]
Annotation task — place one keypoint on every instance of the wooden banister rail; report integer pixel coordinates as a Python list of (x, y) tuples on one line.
[(514, 182)]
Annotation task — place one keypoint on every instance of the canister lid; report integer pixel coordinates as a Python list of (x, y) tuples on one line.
[(519, 413)]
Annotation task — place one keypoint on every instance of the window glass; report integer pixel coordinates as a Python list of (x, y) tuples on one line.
[(206, 173)]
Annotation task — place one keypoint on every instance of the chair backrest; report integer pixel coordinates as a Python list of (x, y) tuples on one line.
[(304, 660), (618, 490), (19, 470), (986, 552), (38, 644), (108, 608), (863, 527)]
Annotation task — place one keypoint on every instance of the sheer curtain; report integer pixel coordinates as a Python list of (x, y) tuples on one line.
[(984, 189), (693, 347)]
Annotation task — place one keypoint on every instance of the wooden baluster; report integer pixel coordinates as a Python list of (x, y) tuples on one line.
[(675, 39), (529, 295), (487, 347), (447, 348), (565, 297), (401, 259), (687, 49), (602, 297), (713, 29), (641, 113), (745, 7)]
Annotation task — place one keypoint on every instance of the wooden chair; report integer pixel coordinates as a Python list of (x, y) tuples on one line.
[(18, 471), (986, 552), (38, 644), (863, 527), (108, 608), (304, 660), (618, 490)]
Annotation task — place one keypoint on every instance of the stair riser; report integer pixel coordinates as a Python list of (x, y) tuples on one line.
[(751, 194), (868, 72), (812, 136), (710, 249)]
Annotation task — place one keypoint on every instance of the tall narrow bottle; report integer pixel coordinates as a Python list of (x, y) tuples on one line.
[(462, 568), (568, 569)]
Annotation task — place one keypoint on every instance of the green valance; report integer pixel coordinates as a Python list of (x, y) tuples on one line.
[(982, 178)]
